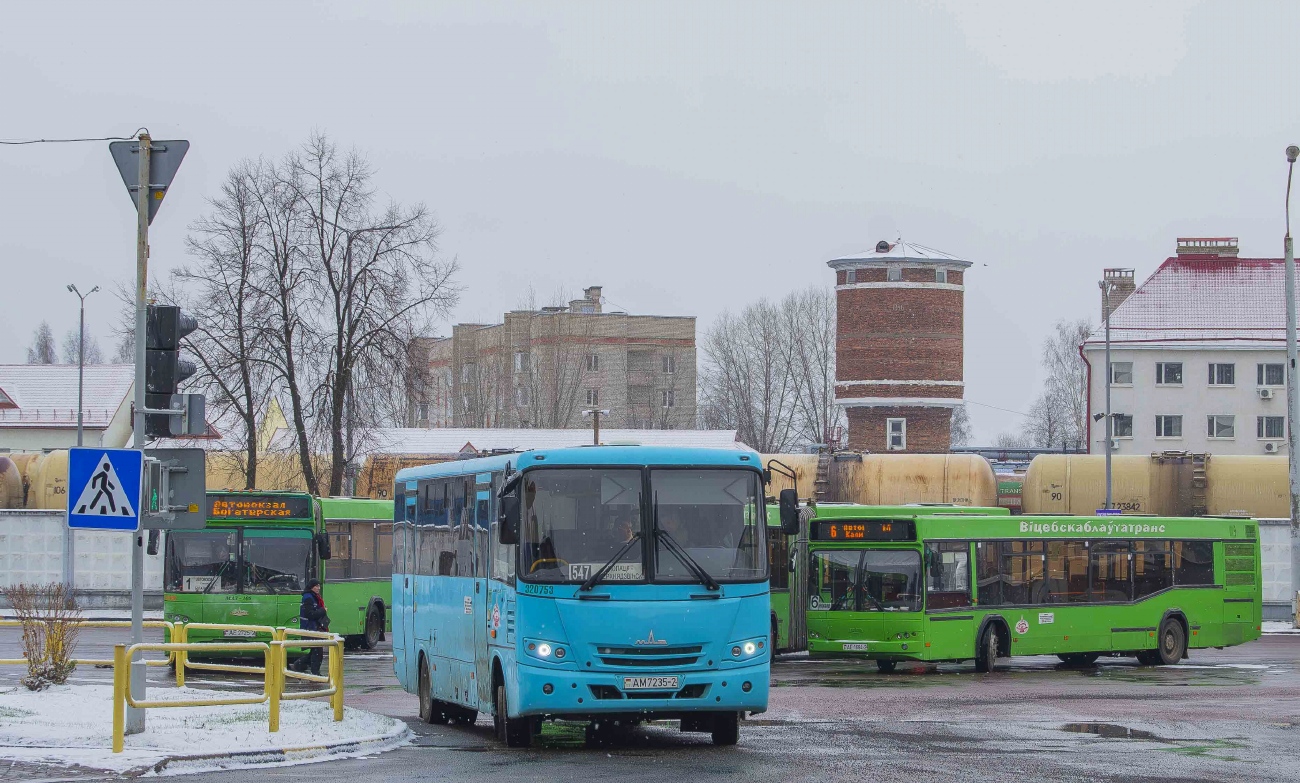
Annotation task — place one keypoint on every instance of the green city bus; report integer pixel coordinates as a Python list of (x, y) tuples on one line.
[(941, 586), (252, 561), (358, 582), (789, 633)]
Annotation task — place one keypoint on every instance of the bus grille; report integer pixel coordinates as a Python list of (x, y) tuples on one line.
[(609, 692), (649, 656)]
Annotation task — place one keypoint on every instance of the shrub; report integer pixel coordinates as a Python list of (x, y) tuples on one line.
[(51, 623)]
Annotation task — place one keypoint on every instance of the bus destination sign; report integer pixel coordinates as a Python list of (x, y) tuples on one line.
[(240, 506), (866, 530)]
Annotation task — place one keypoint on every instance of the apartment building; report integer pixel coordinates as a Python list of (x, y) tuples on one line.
[(1198, 355), (543, 368)]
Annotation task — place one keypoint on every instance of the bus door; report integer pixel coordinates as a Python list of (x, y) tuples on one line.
[(404, 542), (484, 508)]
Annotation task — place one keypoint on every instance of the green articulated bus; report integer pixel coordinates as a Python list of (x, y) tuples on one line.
[(943, 586), (251, 564)]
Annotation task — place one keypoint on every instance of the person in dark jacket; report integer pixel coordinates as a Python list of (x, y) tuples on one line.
[(312, 617)]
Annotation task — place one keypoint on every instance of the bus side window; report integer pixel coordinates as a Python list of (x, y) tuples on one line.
[(383, 550), (1111, 574), (778, 554), (988, 573), (947, 575), (340, 565), (1193, 562), (503, 556), (1151, 569)]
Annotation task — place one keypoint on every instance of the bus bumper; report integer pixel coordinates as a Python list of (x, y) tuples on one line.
[(577, 693), (892, 650)]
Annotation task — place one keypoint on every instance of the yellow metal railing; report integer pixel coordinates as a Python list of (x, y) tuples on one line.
[(274, 670), (165, 624)]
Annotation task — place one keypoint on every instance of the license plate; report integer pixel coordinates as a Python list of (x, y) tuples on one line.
[(649, 683), (854, 646), (240, 632)]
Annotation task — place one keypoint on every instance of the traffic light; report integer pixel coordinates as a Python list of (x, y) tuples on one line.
[(164, 370)]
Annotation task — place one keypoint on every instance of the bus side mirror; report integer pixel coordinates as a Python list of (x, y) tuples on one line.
[(323, 546), (789, 501), (508, 520)]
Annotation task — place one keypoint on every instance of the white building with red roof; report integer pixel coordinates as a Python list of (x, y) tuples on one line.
[(38, 406), (1198, 356)]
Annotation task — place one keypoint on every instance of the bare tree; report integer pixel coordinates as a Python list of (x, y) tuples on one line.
[(221, 290), (808, 319), (961, 429), (375, 278), (1058, 417), (1007, 440), (554, 366), (42, 347), (746, 378), (72, 348)]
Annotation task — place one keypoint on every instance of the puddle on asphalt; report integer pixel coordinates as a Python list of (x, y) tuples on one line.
[(1111, 731)]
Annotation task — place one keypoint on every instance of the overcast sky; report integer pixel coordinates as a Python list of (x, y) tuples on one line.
[(688, 157)]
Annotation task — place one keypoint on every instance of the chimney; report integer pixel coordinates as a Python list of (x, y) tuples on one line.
[(1204, 248), (589, 303), (1121, 284)]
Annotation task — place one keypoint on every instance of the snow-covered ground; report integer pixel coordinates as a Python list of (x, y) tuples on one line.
[(73, 725), (104, 614), (1279, 626)]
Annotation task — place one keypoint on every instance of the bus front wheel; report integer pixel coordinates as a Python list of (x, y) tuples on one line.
[(430, 710), (726, 728), (374, 630), (514, 732), (886, 667)]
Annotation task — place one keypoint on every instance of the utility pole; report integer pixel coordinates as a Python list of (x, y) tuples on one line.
[(1293, 468), (135, 717), (595, 413), (81, 354)]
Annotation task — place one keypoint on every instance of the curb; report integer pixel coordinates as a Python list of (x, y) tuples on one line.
[(377, 743)]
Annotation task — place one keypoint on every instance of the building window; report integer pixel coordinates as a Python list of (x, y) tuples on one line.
[(895, 434), (1270, 427), (1270, 375), (1169, 426), (467, 372), (422, 411), (1223, 374), (1169, 373), (593, 362), (669, 363), (851, 276), (593, 396), (1123, 427), (894, 274), (668, 398), (522, 397), (1121, 373), (1222, 427), (941, 275), (521, 361)]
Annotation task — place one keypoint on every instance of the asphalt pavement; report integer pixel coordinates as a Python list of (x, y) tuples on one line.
[(1223, 715)]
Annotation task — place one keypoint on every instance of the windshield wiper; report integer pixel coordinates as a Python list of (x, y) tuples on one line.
[(603, 570), (687, 560)]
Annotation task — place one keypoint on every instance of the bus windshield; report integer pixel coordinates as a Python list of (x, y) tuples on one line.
[(275, 564), (237, 561), (202, 562), (576, 520), (866, 580), (715, 516)]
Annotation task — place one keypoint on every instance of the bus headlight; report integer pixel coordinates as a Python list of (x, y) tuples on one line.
[(748, 648), (554, 652)]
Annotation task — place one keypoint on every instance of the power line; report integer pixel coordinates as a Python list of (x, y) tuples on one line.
[(996, 408), (16, 142)]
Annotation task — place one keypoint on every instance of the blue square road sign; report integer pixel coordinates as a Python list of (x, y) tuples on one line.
[(104, 488)]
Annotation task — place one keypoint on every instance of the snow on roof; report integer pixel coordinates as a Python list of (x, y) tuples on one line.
[(1204, 300), (45, 395), (457, 440), (897, 252)]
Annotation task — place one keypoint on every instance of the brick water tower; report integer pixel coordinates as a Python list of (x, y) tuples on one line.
[(898, 348)]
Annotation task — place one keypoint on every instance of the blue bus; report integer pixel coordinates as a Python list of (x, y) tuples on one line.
[(607, 584)]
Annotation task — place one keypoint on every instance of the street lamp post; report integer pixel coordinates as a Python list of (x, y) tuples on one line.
[(1110, 421), (1293, 468), (595, 414), (81, 353)]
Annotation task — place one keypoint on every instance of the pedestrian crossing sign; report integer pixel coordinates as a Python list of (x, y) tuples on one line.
[(104, 487)]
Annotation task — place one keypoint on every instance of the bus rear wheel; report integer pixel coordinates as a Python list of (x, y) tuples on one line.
[(514, 732), (374, 630), (886, 667), (726, 728), (1172, 640), (986, 652)]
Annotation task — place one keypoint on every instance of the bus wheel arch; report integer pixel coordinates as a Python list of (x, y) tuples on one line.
[(993, 640), (1170, 649), (372, 628)]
